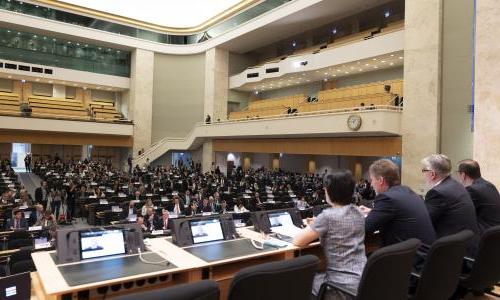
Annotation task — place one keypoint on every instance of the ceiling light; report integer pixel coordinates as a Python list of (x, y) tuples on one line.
[(391, 63), (9, 76), (325, 80), (360, 70), (38, 79), (374, 59), (392, 55), (326, 73), (334, 75), (338, 70), (375, 67), (383, 61), (400, 57), (51, 81), (347, 72), (366, 65)]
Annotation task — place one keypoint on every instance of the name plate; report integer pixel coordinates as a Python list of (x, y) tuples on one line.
[(34, 228)]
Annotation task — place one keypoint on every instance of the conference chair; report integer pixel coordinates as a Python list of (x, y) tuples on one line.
[(22, 266), (485, 271), (18, 243), (199, 290), (386, 274), (289, 279), (441, 270)]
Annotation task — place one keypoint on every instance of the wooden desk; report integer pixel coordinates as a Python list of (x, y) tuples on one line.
[(48, 282)]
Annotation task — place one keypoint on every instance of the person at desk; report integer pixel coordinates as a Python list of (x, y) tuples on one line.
[(25, 199), (239, 208), (341, 229), (193, 209), (148, 204), (398, 213), (302, 203), (187, 197), (37, 216), (165, 216), (178, 208), (483, 193), (151, 220), (18, 221), (137, 195), (6, 198), (222, 209), (42, 194), (205, 206), (448, 202), (140, 221), (83, 192)]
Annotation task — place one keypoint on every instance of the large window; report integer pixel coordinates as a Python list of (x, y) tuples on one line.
[(50, 51)]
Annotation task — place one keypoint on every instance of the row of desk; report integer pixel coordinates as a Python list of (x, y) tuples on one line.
[(218, 261), (88, 280)]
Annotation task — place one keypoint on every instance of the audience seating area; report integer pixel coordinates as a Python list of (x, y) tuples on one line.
[(269, 107), (363, 95), (104, 110), (59, 108), (355, 37), (9, 103)]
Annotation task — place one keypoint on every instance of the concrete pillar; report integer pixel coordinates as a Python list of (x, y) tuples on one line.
[(140, 97), (487, 92), (207, 156), (216, 83), (422, 87)]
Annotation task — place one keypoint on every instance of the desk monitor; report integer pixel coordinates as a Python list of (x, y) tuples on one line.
[(16, 287), (206, 230), (101, 243), (132, 218), (280, 219)]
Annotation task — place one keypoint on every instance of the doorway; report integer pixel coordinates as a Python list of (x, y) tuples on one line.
[(19, 151)]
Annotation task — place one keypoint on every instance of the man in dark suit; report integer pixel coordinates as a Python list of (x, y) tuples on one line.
[(398, 213), (448, 202), (42, 194), (18, 221), (483, 193)]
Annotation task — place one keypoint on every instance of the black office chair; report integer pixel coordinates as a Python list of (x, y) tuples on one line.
[(440, 273), (485, 272), (290, 279), (22, 266), (386, 274), (18, 243), (200, 290)]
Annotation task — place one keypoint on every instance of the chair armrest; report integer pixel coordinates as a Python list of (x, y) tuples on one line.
[(328, 285)]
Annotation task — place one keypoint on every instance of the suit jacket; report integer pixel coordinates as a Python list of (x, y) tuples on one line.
[(486, 200), (451, 210), (400, 214), (157, 223), (39, 195), (23, 224)]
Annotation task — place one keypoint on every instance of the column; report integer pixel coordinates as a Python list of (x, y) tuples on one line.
[(247, 161), (207, 156), (421, 114), (216, 83), (486, 90), (140, 97)]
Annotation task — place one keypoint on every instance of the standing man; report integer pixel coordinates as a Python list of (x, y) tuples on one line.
[(42, 194), (448, 202), (483, 193), (129, 161)]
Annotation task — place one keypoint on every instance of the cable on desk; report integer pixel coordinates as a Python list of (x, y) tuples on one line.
[(142, 259)]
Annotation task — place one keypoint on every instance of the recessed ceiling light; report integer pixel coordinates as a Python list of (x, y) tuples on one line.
[(326, 79), (338, 70), (383, 61), (347, 72), (375, 67), (51, 81), (326, 73), (334, 75), (366, 65), (400, 57), (392, 55), (391, 63), (38, 79), (9, 76), (360, 70), (374, 59)]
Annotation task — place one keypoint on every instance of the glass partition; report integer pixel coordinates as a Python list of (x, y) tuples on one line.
[(50, 51)]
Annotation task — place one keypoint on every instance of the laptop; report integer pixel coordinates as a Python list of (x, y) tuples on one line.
[(16, 287)]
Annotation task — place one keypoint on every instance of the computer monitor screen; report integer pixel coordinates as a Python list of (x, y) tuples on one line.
[(15, 287), (280, 219), (206, 231), (101, 243)]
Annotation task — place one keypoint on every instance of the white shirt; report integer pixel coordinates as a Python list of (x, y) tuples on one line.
[(240, 210)]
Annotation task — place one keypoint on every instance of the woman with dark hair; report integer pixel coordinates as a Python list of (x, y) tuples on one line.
[(341, 229)]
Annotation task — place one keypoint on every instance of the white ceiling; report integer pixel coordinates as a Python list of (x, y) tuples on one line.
[(168, 13)]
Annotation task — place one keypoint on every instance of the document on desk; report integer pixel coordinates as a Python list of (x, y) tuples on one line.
[(290, 231)]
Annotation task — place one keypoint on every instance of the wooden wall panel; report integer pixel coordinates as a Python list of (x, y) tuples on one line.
[(5, 151), (65, 152), (64, 138), (353, 146)]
